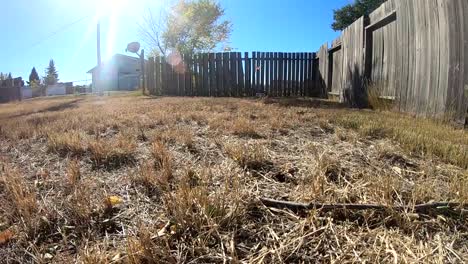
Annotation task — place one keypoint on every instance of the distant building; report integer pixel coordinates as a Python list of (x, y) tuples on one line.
[(27, 92), (119, 73), (59, 89)]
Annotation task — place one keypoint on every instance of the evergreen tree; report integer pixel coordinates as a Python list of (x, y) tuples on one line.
[(51, 77), (33, 77), (9, 76)]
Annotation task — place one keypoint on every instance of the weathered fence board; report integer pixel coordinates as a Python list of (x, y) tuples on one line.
[(232, 74), (322, 70), (414, 51)]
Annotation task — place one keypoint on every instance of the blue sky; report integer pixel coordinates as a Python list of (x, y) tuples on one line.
[(33, 31)]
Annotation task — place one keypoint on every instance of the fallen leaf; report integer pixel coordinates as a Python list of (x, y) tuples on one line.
[(113, 201), (5, 237), (116, 257), (397, 170), (48, 256)]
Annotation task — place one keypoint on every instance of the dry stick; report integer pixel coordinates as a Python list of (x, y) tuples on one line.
[(420, 208)]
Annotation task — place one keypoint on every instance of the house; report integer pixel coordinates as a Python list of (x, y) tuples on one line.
[(119, 73)]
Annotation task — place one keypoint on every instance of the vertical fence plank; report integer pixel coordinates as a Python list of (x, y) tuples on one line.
[(157, 75), (212, 74), (200, 75), (164, 81), (275, 73), (303, 75), (299, 74), (270, 75), (181, 79), (247, 74), (254, 72), (219, 74), (194, 74), (262, 72), (290, 73), (187, 75), (296, 75), (267, 73), (312, 70), (304, 72), (205, 75), (227, 76), (240, 75), (234, 73), (280, 74), (150, 75), (293, 74), (233, 67)]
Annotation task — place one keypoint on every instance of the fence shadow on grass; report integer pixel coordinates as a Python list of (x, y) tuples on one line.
[(305, 102), (54, 108)]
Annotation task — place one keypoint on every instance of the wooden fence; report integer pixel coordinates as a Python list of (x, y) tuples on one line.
[(10, 90), (414, 51), (233, 74)]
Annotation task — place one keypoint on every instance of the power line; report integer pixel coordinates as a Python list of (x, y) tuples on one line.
[(87, 80), (63, 28)]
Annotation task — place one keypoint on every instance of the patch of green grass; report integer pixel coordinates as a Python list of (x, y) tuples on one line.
[(425, 137)]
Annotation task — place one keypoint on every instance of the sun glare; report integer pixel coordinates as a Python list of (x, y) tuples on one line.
[(109, 8), (108, 11)]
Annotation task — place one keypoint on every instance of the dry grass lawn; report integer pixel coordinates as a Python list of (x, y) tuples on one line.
[(134, 179)]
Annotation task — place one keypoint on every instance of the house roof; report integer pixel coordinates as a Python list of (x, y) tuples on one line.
[(116, 57)]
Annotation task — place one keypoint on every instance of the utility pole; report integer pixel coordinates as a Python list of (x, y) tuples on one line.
[(98, 73), (142, 60)]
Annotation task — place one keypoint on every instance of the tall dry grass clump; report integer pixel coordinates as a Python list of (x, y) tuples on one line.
[(66, 143), (113, 153), (375, 98), (252, 157), (242, 127), (73, 172), (162, 160), (20, 202)]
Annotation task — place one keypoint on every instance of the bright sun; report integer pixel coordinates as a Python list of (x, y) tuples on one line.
[(109, 8)]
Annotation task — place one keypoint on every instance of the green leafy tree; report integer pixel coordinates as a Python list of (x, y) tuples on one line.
[(34, 77), (51, 77), (346, 15), (190, 26)]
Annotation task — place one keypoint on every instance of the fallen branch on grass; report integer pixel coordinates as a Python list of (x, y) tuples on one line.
[(419, 208)]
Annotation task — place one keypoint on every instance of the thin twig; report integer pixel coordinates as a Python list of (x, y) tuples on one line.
[(420, 208)]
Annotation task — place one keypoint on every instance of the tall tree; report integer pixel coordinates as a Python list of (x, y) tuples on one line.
[(51, 77), (346, 15), (2, 76), (33, 77), (9, 76), (190, 26)]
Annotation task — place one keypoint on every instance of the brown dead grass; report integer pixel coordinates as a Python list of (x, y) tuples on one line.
[(125, 179)]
